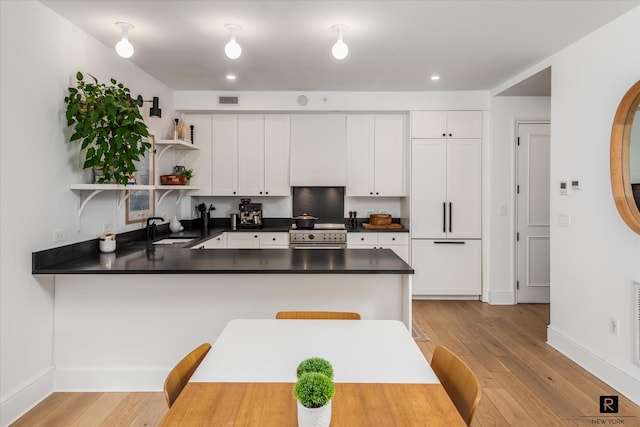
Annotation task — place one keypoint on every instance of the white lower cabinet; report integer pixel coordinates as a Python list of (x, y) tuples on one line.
[(243, 240), (218, 242), (246, 240), (269, 240), (446, 267), (397, 242)]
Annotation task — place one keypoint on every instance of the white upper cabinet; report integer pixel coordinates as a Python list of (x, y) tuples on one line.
[(242, 154), (375, 155), (251, 154), (318, 150), (225, 155), (277, 141), (446, 124), (446, 188), (201, 164)]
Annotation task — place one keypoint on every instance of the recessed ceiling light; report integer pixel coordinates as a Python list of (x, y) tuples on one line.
[(435, 78), (231, 76)]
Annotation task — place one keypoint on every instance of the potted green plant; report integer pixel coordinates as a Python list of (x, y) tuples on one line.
[(109, 126), (314, 391), (188, 173)]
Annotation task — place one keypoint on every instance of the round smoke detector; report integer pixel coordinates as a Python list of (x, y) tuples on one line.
[(302, 100)]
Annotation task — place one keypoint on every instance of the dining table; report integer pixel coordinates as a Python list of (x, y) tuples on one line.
[(381, 376)]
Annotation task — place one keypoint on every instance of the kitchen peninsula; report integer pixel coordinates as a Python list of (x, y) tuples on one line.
[(123, 319)]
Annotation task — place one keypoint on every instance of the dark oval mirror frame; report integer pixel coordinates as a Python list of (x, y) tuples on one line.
[(620, 158)]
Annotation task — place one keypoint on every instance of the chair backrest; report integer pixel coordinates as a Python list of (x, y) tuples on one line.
[(458, 380), (180, 374), (335, 315)]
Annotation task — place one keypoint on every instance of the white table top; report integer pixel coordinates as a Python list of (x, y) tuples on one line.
[(269, 350)]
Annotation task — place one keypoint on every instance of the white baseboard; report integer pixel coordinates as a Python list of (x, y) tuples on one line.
[(621, 381), (105, 380), (502, 298), (21, 401)]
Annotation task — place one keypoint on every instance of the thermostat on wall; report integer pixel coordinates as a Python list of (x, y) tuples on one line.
[(564, 188)]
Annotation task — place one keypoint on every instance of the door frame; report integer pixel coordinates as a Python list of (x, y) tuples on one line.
[(514, 240)]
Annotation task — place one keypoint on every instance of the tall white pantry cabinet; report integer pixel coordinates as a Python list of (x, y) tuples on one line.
[(446, 202)]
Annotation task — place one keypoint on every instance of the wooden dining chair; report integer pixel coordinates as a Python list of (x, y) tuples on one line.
[(333, 315), (458, 380), (180, 374)]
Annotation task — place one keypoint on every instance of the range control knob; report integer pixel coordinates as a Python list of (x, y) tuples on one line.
[(311, 237)]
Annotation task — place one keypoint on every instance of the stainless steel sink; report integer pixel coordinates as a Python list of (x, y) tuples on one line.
[(172, 241)]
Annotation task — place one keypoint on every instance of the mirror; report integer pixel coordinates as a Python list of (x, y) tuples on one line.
[(625, 158)]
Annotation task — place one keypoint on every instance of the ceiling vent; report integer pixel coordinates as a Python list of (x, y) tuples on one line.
[(227, 100)]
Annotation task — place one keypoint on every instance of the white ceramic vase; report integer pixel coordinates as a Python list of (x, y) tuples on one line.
[(314, 417), (175, 226)]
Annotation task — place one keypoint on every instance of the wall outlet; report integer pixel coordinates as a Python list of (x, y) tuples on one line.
[(58, 235), (615, 326), (107, 227)]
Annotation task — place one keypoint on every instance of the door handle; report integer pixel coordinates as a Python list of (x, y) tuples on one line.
[(444, 217)]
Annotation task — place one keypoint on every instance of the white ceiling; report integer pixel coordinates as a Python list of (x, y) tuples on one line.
[(394, 45)]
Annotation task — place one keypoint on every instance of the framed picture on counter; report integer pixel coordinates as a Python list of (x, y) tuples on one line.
[(140, 203)]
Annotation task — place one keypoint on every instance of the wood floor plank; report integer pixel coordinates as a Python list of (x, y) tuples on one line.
[(525, 381)]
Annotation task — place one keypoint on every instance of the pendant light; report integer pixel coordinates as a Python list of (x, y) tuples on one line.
[(232, 49), (123, 47), (340, 50)]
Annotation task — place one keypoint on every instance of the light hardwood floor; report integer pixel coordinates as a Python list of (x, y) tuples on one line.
[(524, 381)]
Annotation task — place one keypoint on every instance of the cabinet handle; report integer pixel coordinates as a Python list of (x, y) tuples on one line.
[(255, 237), (444, 134), (234, 192), (266, 192), (448, 243), (377, 193), (362, 238), (444, 217), (450, 210), (261, 192), (371, 193), (393, 238), (449, 134)]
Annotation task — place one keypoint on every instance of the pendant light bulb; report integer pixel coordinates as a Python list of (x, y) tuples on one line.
[(232, 49), (340, 50), (124, 47)]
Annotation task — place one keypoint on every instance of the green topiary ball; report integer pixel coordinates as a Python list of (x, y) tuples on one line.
[(315, 364), (314, 389)]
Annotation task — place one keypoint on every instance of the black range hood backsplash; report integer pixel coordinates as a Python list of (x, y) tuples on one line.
[(327, 203)]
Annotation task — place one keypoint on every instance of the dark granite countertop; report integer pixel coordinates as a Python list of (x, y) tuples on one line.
[(157, 259), (134, 255)]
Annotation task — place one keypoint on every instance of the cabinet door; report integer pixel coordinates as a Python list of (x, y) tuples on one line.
[(274, 240), (389, 156), (360, 240), (243, 240), (218, 242), (225, 155), (428, 124), (464, 124), (277, 138), (201, 162), (446, 267), (428, 188), (360, 154), (318, 150), (250, 154), (464, 187)]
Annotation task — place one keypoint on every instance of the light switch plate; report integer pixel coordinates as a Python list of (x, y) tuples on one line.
[(564, 219)]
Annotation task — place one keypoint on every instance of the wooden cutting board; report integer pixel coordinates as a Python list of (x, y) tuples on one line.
[(392, 226)]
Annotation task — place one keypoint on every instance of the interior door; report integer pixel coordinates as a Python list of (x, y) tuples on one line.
[(533, 239)]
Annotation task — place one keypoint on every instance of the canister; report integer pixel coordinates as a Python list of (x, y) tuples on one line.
[(107, 243)]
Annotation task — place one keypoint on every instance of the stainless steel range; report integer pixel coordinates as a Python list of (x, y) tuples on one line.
[(322, 236)]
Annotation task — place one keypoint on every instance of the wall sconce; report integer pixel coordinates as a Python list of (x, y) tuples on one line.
[(155, 110), (232, 49), (123, 47), (340, 50)]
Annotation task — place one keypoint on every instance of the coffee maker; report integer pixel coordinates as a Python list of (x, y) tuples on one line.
[(250, 214)]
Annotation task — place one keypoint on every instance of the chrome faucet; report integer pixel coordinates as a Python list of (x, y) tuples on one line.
[(151, 228)]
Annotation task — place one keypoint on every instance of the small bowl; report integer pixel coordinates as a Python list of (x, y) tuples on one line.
[(107, 243)]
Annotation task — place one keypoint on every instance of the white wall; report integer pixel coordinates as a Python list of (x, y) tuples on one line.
[(505, 112), (41, 53), (595, 260)]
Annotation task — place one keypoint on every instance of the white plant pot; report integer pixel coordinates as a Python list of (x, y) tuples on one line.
[(314, 417)]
